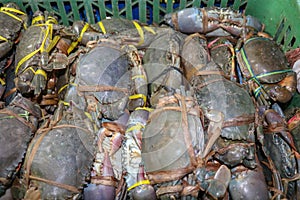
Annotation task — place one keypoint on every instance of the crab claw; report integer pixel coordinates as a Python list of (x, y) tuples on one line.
[(116, 143), (280, 94), (218, 186), (285, 89), (143, 190), (254, 22), (102, 187), (273, 118), (248, 184)]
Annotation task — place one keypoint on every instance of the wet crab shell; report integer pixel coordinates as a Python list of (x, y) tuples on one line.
[(159, 63), (213, 92), (61, 155), (163, 146), (15, 136), (127, 31), (30, 41), (106, 65), (249, 185), (194, 55), (12, 146), (260, 57), (284, 161), (10, 27)]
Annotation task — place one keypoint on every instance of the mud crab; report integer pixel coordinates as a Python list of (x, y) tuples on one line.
[(221, 50), (19, 122), (265, 67), (13, 21), (131, 150), (57, 164), (163, 134), (212, 21), (41, 60), (115, 78), (279, 155), (194, 54), (138, 186), (162, 64), (127, 31), (233, 144)]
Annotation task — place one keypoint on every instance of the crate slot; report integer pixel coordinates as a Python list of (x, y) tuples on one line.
[(292, 43)]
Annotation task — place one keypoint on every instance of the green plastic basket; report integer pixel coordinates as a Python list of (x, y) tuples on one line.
[(281, 17)]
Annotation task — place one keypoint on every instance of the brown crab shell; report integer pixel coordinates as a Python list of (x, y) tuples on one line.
[(262, 55)]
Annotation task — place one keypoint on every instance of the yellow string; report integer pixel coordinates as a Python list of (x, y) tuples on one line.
[(140, 31), (53, 43), (63, 102), (51, 20), (143, 182), (41, 48), (139, 76), (73, 84), (3, 39), (145, 108), (37, 18), (88, 116), (30, 68), (48, 29), (41, 72), (2, 82), (12, 10), (12, 15), (74, 44), (102, 27), (149, 29), (62, 88), (136, 127), (5, 9), (24, 59), (137, 96)]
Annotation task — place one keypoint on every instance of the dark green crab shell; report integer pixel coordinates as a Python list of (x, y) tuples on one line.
[(263, 58), (213, 92), (15, 137), (9, 27), (30, 42), (106, 65), (17, 129), (64, 155)]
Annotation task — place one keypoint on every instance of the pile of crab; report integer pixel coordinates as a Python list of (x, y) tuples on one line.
[(203, 106)]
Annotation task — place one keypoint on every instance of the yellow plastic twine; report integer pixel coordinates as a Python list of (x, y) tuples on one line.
[(138, 96), (102, 27), (145, 108), (136, 127), (7, 11), (30, 55), (36, 19), (3, 39), (149, 29), (47, 32), (2, 82), (143, 182), (74, 44), (41, 72), (140, 31)]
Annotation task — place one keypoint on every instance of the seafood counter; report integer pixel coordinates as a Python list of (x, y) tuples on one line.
[(202, 106)]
